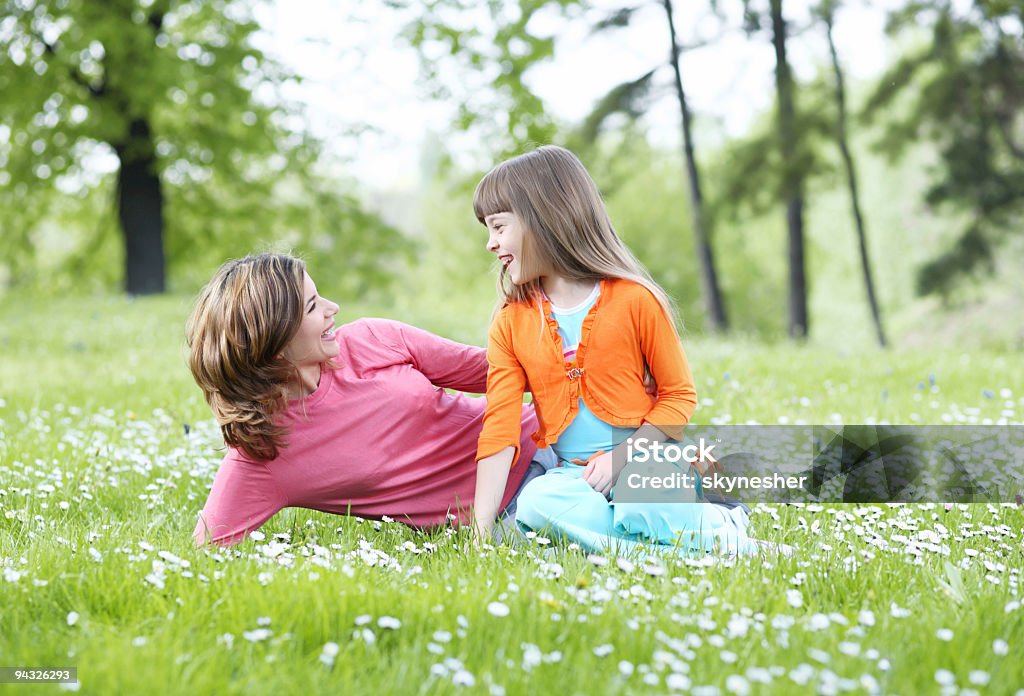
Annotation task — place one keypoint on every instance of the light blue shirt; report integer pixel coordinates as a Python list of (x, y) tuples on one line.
[(587, 433)]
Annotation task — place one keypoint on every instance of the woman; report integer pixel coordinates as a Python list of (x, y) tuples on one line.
[(351, 419)]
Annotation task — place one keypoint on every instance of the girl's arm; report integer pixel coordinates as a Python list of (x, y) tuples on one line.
[(506, 384), (498, 446), (676, 396), (661, 347), (491, 477), (603, 469)]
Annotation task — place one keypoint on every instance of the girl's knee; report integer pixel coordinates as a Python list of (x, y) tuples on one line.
[(532, 503), (660, 523), (546, 498)]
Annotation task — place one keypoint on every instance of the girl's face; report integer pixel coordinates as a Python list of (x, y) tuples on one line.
[(314, 343), (505, 233)]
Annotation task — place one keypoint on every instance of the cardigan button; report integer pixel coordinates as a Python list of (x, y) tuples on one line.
[(574, 373)]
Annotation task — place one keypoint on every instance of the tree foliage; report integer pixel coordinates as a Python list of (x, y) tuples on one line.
[(770, 19), (826, 14), (477, 56), (177, 87), (960, 85), (629, 99)]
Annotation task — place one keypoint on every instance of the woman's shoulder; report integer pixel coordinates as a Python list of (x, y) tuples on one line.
[(236, 459), (371, 343), (365, 327), (369, 333)]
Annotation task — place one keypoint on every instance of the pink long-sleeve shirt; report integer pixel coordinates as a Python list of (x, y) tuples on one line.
[(379, 436)]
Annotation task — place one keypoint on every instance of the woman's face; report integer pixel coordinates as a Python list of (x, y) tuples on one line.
[(314, 343)]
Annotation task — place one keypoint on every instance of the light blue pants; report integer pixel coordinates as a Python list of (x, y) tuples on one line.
[(563, 505)]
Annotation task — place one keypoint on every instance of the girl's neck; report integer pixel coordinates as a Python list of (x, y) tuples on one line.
[(563, 292)]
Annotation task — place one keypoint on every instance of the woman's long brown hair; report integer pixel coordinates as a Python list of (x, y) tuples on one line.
[(241, 322)]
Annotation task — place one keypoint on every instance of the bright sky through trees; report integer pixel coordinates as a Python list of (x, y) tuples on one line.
[(359, 73)]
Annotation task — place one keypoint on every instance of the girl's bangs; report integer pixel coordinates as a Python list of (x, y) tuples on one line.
[(492, 194)]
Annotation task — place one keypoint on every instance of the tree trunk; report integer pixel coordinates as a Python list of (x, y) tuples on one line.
[(851, 180), (793, 178), (140, 211), (705, 254)]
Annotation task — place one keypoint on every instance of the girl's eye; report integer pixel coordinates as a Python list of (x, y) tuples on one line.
[(311, 309)]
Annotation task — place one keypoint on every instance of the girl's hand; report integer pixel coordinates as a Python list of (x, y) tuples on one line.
[(483, 529), (491, 477), (600, 472), (650, 386)]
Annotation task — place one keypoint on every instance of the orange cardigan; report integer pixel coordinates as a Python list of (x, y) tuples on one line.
[(625, 328)]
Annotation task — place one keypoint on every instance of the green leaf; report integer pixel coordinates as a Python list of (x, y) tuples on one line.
[(954, 584)]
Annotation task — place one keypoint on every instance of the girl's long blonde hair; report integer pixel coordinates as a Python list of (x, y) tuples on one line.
[(568, 231), (241, 322)]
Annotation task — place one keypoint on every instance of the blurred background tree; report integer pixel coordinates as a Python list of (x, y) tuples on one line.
[(826, 14), (960, 86), (821, 121), (209, 160), (770, 20), (477, 56), (453, 44), (132, 121), (631, 99)]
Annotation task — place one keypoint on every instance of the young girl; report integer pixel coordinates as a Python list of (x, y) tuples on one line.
[(583, 324)]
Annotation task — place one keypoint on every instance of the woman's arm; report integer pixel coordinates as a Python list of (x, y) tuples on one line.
[(244, 496), (444, 362)]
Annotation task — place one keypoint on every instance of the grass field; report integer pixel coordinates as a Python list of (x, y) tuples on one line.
[(107, 453)]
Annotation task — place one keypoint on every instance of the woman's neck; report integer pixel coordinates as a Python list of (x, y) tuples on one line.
[(564, 292), (305, 384)]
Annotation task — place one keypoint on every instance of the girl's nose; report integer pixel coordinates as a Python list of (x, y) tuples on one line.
[(492, 244)]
